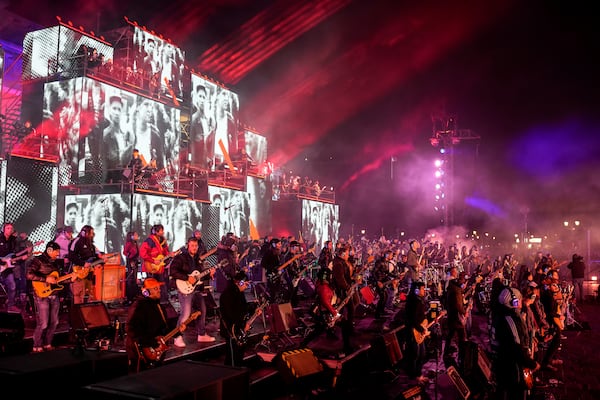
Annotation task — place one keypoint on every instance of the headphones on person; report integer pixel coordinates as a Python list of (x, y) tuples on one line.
[(155, 229), (514, 301), (145, 292)]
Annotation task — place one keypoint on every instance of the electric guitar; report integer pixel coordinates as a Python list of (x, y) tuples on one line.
[(420, 336), (300, 274), (154, 354), (9, 259), (45, 289), (334, 318), (208, 254), (185, 287), (240, 336), (158, 264), (82, 271)]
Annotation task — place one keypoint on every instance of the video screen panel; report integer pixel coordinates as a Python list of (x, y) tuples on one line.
[(179, 217), (161, 63), (61, 50), (96, 127), (320, 222), (259, 191), (214, 120), (256, 147), (231, 210), (109, 215), (28, 193)]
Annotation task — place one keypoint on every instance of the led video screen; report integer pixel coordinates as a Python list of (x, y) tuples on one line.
[(96, 127), (230, 211), (160, 62), (213, 124), (256, 147), (60, 50), (109, 215), (28, 193), (320, 222), (178, 216), (259, 191)]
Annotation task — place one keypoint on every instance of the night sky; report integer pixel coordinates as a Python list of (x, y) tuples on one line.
[(355, 88)]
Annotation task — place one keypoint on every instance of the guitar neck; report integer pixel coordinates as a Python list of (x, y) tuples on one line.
[(288, 262), (178, 328)]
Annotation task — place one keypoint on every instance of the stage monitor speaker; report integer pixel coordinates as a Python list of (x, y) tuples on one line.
[(452, 379), (170, 313), (298, 363), (12, 329), (282, 317), (90, 316), (387, 349), (110, 282)]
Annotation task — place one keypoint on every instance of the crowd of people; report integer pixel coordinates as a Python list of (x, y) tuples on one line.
[(527, 302)]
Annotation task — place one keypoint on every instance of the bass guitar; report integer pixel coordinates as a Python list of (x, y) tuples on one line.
[(240, 336), (334, 318), (420, 336), (185, 287), (153, 354), (208, 254), (157, 265), (45, 289), (82, 271)]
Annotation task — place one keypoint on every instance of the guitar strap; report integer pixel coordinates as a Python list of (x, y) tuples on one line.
[(156, 242), (162, 314)]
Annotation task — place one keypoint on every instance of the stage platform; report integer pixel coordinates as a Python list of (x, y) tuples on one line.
[(373, 370)]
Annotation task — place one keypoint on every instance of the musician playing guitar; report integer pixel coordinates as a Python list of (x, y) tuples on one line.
[(233, 308), (182, 267), (146, 324), (45, 269), (457, 313), (82, 253), (342, 281), (414, 262), (416, 313), (153, 252)]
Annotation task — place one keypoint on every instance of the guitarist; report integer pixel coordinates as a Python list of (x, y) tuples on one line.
[(45, 268), (457, 315), (182, 266), (233, 308), (382, 276), (8, 246), (342, 282), (269, 263), (509, 342), (415, 314), (82, 252), (292, 272), (146, 322), (154, 249)]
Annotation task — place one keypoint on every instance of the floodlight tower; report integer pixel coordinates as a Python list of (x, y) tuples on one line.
[(446, 136)]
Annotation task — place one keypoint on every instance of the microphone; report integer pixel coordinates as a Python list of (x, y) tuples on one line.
[(228, 207), (103, 200)]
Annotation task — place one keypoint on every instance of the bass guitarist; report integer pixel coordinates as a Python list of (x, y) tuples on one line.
[(153, 252), (342, 281), (182, 267), (234, 309), (146, 325), (44, 269)]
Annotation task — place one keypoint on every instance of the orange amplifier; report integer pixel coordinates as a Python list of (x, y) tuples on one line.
[(110, 282)]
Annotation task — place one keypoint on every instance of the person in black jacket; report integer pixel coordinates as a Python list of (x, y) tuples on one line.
[(415, 314), (146, 322), (457, 314), (509, 342), (44, 270), (234, 310)]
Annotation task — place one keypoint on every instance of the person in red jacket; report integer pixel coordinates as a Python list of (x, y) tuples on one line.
[(154, 253)]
